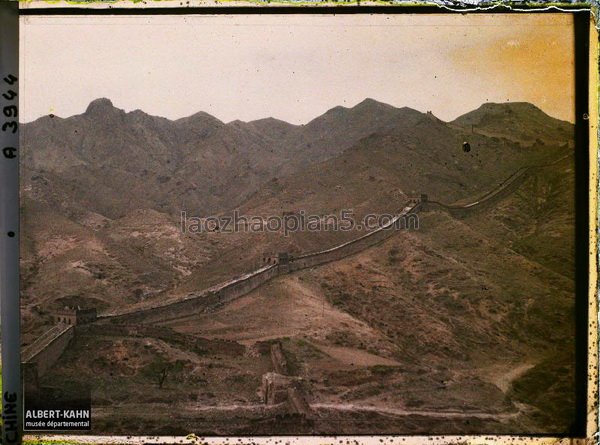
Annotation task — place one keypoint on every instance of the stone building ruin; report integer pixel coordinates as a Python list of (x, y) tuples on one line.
[(75, 315)]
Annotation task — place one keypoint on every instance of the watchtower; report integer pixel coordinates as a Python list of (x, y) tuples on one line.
[(269, 258), (283, 258), (75, 315)]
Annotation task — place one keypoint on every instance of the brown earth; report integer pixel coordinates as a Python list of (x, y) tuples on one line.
[(462, 326)]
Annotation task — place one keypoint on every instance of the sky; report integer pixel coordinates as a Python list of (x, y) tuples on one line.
[(295, 67)]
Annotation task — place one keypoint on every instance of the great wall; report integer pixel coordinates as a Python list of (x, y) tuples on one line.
[(46, 350), (486, 201), (283, 264), (49, 347)]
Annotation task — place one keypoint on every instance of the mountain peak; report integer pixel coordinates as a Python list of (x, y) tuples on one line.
[(372, 103), (200, 117), (520, 121), (101, 105), (497, 110), (270, 120), (515, 106)]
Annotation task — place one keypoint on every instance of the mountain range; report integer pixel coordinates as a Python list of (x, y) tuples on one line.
[(200, 163), (97, 172), (102, 194)]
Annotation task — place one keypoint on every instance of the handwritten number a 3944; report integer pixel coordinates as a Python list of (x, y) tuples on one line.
[(10, 111)]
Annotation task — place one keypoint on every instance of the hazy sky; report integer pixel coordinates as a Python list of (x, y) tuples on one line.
[(295, 67)]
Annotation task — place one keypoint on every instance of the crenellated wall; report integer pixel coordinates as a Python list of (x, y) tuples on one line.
[(221, 294), (224, 293), (485, 202), (211, 298), (355, 246), (47, 349)]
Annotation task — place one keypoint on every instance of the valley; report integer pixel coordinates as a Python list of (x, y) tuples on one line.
[(446, 329)]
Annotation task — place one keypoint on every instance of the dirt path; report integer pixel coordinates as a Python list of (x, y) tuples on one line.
[(265, 410), (355, 357), (405, 412)]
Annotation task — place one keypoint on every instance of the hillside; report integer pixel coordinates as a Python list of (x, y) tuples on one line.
[(371, 160), (520, 121), (377, 175), (448, 317), (451, 328), (196, 163)]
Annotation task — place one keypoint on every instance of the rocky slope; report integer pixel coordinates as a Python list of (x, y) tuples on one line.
[(460, 315)]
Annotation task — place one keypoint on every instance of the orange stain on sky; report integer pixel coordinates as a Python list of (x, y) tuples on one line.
[(533, 63)]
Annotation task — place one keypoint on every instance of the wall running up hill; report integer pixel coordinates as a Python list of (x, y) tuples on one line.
[(48, 348), (224, 293)]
